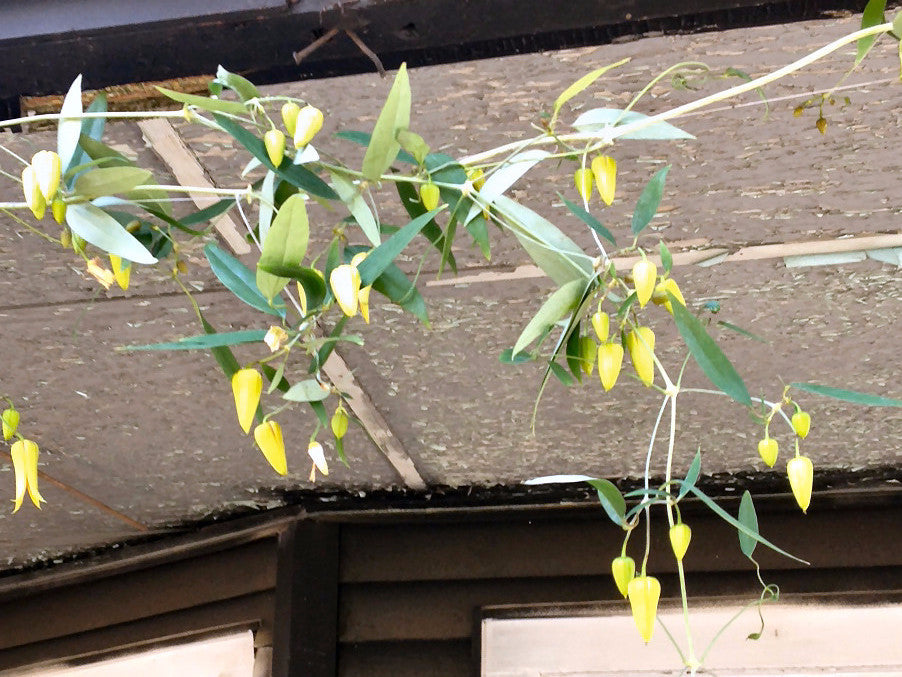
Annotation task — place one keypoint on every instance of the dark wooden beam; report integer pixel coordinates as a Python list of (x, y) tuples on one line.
[(305, 629), (45, 44)]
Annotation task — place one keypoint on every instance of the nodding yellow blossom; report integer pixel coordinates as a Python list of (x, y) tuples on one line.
[(345, 283), (604, 169), (247, 386), (48, 170), (275, 338), (122, 270), (33, 196), (644, 592), (268, 436), (101, 274), (315, 451), (24, 455), (308, 122)]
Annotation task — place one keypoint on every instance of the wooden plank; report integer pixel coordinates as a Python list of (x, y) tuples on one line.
[(406, 659), (129, 597), (186, 168), (306, 613), (250, 611)]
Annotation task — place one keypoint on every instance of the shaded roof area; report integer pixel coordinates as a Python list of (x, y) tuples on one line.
[(143, 443)]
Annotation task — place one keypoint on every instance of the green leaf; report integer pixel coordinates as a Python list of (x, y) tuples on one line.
[(666, 257), (104, 232), (848, 395), (414, 144), (611, 499), (394, 117), (350, 195), (478, 230), (97, 150), (749, 519), (320, 410), (600, 120), (383, 255), (297, 175), (740, 330), (222, 354), (707, 354), (212, 105), (239, 280), (872, 16), (897, 26), (110, 181), (363, 139), (507, 357), (231, 338), (505, 176), (647, 205), (309, 390), (561, 373), (285, 245), (243, 87), (323, 353), (691, 475), (729, 519), (556, 254), (559, 304), (394, 285), (579, 86), (589, 220), (69, 129), (574, 356), (91, 128)]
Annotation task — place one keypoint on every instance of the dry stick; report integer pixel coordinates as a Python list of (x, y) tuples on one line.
[(301, 54), (361, 45), (90, 500)]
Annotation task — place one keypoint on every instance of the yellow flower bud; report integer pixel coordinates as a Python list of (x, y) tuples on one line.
[(610, 359), (644, 592), (624, 570), (302, 299), (601, 323), (274, 142), (316, 454), (588, 352), (48, 170), (604, 169), (268, 436), (10, 418), (641, 345), (247, 386), (275, 338), (476, 177), (309, 122), (24, 454), (660, 297), (339, 422), (429, 196), (345, 283), (583, 180), (768, 450), (645, 274), (801, 423), (290, 112), (363, 301), (800, 471), (101, 274), (680, 535), (33, 196), (122, 270), (58, 209)]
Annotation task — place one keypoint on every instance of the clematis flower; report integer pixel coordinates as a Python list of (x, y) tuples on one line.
[(345, 283), (316, 453), (24, 455), (268, 436), (33, 197), (122, 270), (101, 274), (247, 386), (275, 338), (48, 171)]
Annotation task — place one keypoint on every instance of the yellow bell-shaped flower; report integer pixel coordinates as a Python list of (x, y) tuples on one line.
[(122, 270), (641, 345), (318, 456), (801, 476), (247, 386), (290, 112), (48, 170), (24, 455), (610, 360), (680, 535), (10, 419), (604, 169), (645, 274), (345, 283), (623, 569), (268, 436), (308, 122), (644, 592), (33, 196)]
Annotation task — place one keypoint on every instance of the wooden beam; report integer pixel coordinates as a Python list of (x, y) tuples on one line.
[(186, 168)]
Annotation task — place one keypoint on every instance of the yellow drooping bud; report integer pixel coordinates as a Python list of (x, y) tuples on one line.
[(363, 301), (644, 593), (247, 386), (10, 418), (58, 209), (48, 170), (316, 454), (302, 299), (680, 535), (345, 283), (645, 274), (339, 422), (122, 270), (274, 142), (604, 169), (623, 569), (101, 274), (583, 180), (768, 450), (290, 112), (308, 122), (640, 343), (821, 125), (268, 436), (429, 196), (801, 423), (801, 476), (275, 338), (476, 177), (601, 323), (660, 297), (33, 196), (610, 359), (588, 353), (24, 454), (65, 238)]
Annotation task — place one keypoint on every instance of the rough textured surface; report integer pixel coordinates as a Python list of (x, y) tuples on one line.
[(152, 435)]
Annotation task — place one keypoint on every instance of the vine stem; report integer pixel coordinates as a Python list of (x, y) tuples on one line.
[(612, 133), (55, 117), (766, 403)]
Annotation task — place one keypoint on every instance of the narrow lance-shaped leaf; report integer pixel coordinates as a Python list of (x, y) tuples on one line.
[(383, 255), (561, 302), (243, 87), (647, 205), (285, 244), (69, 129), (707, 354), (580, 85), (691, 475), (212, 105), (749, 519), (309, 390), (350, 195), (104, 232), (110, 181), (395, 116), (611, 499), (589, 220), (853, 396), (239, 280), (205, 342), (872, 16)]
